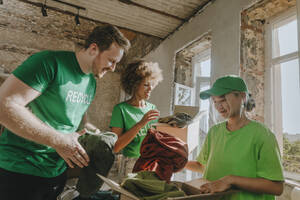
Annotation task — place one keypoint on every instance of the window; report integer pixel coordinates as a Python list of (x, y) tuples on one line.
[(183, 95), (192, 74), (282, 92), (202, 71)]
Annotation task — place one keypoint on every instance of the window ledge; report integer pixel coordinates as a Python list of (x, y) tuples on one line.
[(292, 176), (292, 183)]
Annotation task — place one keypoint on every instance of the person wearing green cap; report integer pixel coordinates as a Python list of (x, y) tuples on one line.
[(238, 153)]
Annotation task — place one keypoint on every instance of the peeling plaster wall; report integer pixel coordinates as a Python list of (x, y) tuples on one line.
[(24, 31), (183, 62), (222, 19), (253, 47)]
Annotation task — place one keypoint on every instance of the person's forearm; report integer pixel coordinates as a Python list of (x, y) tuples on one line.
[(256, 185), (127, 137), (23, 123), (194, 166)]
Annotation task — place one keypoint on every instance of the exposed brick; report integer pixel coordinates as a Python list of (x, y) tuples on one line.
[(24, 31)]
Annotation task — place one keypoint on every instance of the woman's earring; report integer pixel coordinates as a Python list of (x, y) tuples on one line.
[(243, 105)]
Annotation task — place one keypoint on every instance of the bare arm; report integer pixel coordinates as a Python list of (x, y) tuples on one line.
[(125, 138), (256, 185), (195, 166), (14, 96)]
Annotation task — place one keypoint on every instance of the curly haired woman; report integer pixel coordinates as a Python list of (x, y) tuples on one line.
[(131, 119)]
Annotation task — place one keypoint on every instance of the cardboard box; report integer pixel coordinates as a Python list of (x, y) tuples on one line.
[(191, 191), (190, 133)]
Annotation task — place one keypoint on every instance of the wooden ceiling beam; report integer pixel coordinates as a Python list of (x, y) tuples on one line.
[(128, 33), (129, 2)]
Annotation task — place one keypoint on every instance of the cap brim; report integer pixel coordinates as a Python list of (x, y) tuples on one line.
[(214, 92)]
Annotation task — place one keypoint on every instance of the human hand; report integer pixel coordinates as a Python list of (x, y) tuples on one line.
[(149, 116), (220, 185), (71, 151)]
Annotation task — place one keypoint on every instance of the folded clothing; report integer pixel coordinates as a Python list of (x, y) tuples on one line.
[(147, 185), (99, 148), (179, 120), (161, 153)]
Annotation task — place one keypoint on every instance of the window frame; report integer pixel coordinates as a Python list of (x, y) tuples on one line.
[(197, 80), (272, 96)]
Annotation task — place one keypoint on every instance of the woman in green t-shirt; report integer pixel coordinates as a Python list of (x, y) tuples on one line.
[(238, 153), (131, 119)]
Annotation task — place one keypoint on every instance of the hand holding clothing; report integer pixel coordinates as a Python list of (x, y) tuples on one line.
[(71, 151)]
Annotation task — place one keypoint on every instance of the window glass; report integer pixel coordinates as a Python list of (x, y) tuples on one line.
[(285, 40), (290, 96), (205, 68), (286, 88)]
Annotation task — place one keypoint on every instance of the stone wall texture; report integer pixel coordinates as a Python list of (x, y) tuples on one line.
[(24, 31), (253, 47), (183, 62)]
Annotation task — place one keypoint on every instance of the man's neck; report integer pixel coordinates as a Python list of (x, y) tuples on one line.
[(83, 61)]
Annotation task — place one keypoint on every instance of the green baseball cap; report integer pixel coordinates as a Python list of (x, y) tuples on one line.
[(225, 85)]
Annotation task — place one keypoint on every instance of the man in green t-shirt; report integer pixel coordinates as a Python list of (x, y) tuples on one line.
[(41, 105)]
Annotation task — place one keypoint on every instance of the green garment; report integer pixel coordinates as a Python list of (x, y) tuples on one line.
[(125, 116), (147, 185), (99, 148), (66, 93), (251, 151)]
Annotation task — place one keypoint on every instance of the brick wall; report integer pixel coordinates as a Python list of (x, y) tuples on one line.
[(24, 31)]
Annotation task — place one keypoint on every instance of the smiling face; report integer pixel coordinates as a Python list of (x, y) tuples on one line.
[(107, 60), (229, 105), (144, 89)]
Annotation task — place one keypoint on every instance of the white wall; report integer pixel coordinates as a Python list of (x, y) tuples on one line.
[(222, 18)]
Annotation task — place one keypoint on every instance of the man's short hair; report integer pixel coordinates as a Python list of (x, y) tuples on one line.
[(105, 35)]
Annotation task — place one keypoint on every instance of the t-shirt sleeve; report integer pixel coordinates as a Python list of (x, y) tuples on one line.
[(37, 71), (117, 118), (269, 162), (204, 153)]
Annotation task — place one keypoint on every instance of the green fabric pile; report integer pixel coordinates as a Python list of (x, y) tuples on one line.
[(99, 148), (147, 186)]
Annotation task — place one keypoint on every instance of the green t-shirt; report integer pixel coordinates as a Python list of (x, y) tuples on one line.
[(126, 116), (66, 93), (251, 151)]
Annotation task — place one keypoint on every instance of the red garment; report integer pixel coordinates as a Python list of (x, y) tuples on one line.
[(161, 153)]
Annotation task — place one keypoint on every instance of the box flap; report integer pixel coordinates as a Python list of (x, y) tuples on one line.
[(190, 110), (191, 190), (116, 187)]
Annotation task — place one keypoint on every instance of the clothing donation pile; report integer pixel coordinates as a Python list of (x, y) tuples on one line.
[(147, 185), (161, 155)]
